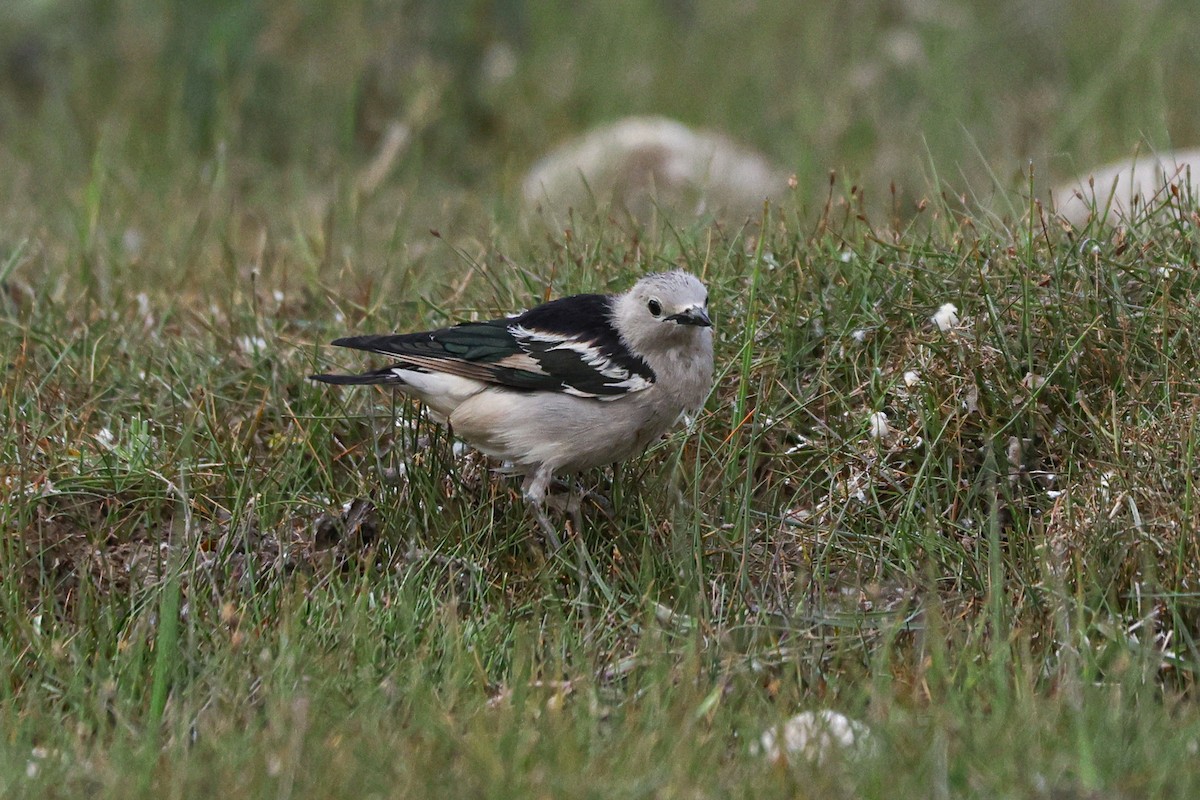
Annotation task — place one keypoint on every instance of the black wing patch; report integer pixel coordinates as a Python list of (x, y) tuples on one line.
[(567, 345)]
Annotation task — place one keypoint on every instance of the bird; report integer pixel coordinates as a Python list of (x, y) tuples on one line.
[(574, 383)]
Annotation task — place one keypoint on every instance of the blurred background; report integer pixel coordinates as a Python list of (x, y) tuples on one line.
[(131, 128)]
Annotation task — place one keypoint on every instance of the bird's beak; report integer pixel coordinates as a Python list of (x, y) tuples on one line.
[(695, 315)]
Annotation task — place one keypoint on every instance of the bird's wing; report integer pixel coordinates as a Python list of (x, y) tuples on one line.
[(567, 345)]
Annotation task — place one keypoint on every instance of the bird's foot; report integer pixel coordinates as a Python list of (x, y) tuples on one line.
[(570, 498), (563, 499)]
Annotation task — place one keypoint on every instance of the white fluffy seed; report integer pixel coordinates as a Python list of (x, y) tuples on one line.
[(946, 317), (878, 425)]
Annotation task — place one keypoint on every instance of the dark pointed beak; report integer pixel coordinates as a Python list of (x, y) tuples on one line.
[(693, 316)]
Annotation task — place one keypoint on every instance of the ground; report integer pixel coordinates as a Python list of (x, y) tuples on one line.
[(971, 529)]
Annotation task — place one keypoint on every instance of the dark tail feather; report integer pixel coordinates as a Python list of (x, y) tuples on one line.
[(357, 342), (384, 375), (386, 343)]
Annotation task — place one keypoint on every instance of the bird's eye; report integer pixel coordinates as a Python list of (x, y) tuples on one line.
[(655, 307)]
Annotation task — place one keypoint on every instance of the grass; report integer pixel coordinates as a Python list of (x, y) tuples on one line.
[(1002, 586), (222, 578)]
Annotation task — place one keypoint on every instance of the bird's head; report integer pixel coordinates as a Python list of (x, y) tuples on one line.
[(666, 309)]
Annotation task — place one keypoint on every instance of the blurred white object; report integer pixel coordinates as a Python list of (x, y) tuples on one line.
[(814, 735), (639, 164), (878, 424), (946, 317), (1124, 189)]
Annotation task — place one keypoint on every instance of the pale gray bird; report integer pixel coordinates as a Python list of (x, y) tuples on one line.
[(575, 383)]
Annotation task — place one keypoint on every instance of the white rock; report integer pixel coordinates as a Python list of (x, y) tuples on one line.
[(814, 735), (640, 164), (1132, 184), (251, 344), (132, 241), (499, 63)]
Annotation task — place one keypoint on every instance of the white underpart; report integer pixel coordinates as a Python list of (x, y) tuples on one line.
[(440, 391)]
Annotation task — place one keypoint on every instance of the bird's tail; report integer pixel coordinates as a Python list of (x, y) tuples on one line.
[(378, 376)]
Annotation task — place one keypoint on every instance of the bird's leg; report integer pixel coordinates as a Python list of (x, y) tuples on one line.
[(548, 529), (534, 489), (575, 509), (537, 484), (567, 497)]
